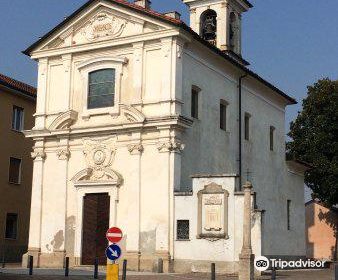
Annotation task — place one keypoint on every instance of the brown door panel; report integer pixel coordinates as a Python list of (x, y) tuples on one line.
[(95, 225)]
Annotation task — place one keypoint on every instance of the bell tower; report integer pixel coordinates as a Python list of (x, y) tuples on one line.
[(219, 21)]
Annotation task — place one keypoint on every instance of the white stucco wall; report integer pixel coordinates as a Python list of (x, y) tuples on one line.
[(200, 252), (156, 67), (214, 151)]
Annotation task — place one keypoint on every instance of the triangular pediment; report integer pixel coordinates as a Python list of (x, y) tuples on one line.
[(99, 22)]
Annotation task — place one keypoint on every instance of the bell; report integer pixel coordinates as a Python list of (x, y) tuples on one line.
[(209, 29)]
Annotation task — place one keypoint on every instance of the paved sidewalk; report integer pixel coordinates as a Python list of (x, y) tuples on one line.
[(41, 274)]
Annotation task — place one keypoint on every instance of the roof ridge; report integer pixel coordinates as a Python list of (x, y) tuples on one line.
[(155, 13)]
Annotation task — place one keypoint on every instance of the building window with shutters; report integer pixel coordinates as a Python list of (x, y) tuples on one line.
[(14, 176), (183, 230), (11, 226), (17, 119)]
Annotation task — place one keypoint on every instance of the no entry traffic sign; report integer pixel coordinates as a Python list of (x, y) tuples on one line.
[(113, 252), (114, 235)]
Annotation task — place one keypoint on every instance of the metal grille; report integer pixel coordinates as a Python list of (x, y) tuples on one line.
[(182, 230)]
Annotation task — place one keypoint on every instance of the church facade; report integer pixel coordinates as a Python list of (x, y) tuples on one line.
[(145, 123)]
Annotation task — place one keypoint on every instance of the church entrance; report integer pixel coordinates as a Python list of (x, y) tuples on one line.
[(95, 225)]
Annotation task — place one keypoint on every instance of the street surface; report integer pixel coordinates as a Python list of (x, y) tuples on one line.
[(21, 274)]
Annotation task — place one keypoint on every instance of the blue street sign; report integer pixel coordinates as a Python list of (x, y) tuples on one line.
[(113, 252)]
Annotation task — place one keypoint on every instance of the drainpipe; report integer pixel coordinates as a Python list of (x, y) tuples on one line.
[(240, 130)]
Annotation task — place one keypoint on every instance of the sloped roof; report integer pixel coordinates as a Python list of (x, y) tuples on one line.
[(18, 86), (173, 21)]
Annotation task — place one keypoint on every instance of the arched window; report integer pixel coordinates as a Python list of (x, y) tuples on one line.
[(209, 26), (233, 31), (101, 88)]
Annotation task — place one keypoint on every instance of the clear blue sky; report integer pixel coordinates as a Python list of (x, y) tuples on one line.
[(290, 43)]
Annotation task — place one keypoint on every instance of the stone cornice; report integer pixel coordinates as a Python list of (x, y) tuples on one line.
[(111, 43), (176, 122)]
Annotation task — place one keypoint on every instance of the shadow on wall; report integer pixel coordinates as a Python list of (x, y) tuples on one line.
[(57, 242), (331, 219)]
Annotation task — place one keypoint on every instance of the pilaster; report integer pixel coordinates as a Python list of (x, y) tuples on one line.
[(39, 157), (166, 88), (223, 27), (138, 71), (63, 154), (135, 149), (67, 63), (42, 93)]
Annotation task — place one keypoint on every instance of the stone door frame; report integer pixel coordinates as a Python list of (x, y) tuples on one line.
[(93, 188)]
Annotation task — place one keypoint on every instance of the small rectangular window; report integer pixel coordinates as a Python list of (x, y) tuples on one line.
[(101, 89), (223, 115), (11, 226), (17, 118), (247, 126), (194, 103), (272, 138), (289, 214), (183, 231), (14, 170)]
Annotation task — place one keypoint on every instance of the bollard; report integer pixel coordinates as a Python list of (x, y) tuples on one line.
[(30, 259), (273, 273), (213, 271), (124, 273), (96, 269), (67, 267), (160, 266), (336, 272), (3, 261), (112, 272)]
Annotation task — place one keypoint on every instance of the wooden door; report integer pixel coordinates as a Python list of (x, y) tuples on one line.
[(95, 225)]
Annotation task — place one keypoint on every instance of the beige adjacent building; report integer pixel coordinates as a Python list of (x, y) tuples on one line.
[(146, 123), (321, 231), (17, 106)]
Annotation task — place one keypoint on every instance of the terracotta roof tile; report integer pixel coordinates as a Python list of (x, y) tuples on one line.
[(17, 85)]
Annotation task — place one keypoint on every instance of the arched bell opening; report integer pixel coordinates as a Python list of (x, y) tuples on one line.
[(208, 30)]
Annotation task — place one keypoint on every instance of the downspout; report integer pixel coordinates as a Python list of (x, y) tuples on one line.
[(240, 130)]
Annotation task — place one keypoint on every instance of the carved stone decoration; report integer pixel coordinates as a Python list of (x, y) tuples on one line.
[(64, 120), (103, 25), (135, 149), (128, 114), (170, 146), (213, 212), (63, 154), (85, 177), (38, 155), (99, 156)]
